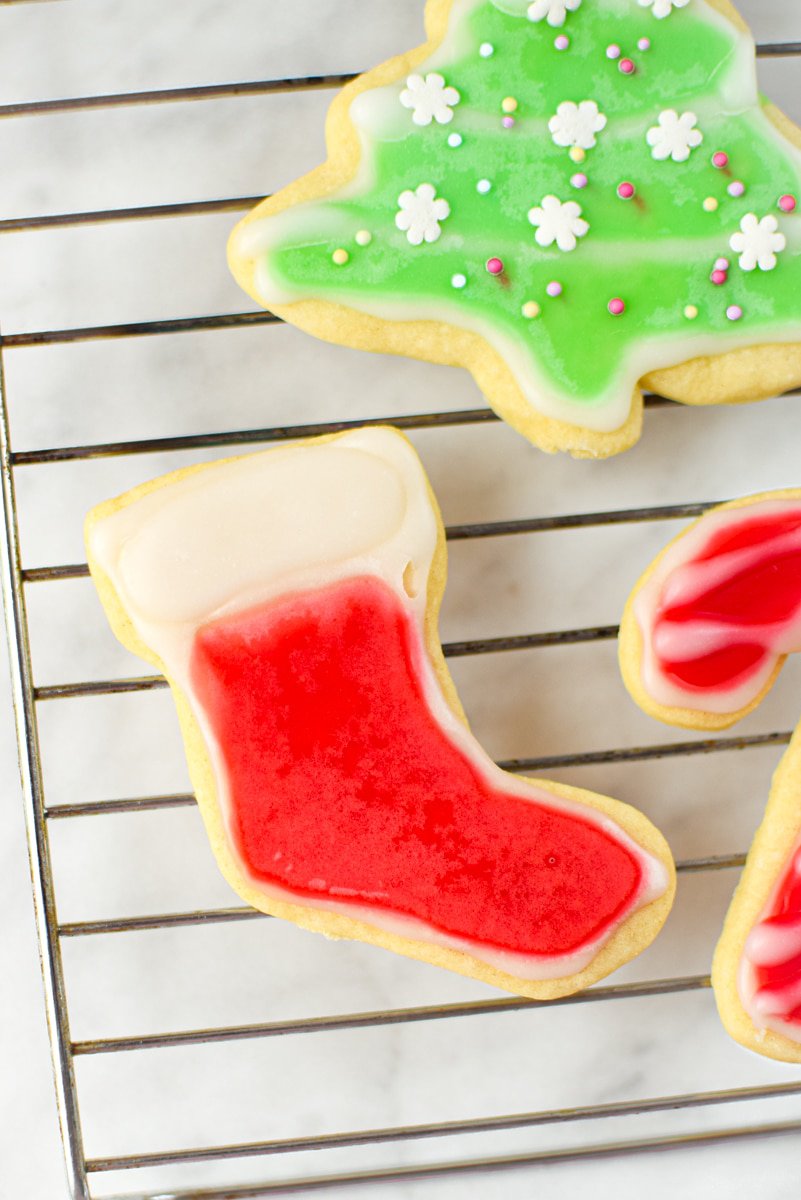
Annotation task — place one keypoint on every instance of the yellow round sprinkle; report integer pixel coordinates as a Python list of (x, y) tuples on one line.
[(364, 237), (509, 105), (711, 204), (340, 257), (577, 154), (691, 312), (531, 309)]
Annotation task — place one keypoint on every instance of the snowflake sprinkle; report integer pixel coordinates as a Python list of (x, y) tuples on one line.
[(420, 214), (577, 124), (430, 99), (558, 222), (675, 136), (758, 243), (555, 10), (663, 8)]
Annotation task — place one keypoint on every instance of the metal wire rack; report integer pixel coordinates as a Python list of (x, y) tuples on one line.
[(29, 697)]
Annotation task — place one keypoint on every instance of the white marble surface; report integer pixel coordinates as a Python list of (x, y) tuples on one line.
[(541, 702)]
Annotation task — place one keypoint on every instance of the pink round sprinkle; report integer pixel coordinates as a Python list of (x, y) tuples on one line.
[(720, 160), (613, 51), (508, 122), (788, 203), (719, 277), (579, 180), (734, 312), (562, 42), (736, 189), (495, 266), (625, 191), (722, 264), (616, 307), (644, 44), (626, 66), (554, 289)]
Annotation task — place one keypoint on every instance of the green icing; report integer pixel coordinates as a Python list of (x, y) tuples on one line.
[(655, 252)]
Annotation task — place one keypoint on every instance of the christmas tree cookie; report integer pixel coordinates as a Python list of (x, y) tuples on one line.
[(704, 637), (291, 599), (574, 199)]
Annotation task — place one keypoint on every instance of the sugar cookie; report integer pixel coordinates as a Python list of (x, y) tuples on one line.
[(573, 201), (291, 599)]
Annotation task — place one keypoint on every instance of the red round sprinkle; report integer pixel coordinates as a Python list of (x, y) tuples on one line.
[(626, 66), (788, 203), (719, 277), (616, 307), (495, 266), (625, 191), (720, 160)]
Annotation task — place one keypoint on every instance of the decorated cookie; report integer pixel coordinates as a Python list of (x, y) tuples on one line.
[(703, 639), (709, 625), (291, 599), (574, 201), (756, 972)]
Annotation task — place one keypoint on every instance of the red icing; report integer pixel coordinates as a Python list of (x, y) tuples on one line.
[(784, 977), (764, 592), (343, 784)]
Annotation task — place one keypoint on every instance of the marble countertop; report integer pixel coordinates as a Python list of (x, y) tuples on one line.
[(540, 702)]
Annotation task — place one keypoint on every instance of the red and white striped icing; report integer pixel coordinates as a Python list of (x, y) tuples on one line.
[(722, 607)]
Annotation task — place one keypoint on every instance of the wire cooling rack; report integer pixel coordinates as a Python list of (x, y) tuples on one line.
[(84, 1172)]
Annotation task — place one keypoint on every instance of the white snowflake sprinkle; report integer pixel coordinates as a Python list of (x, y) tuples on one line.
[(430, 99), (663, 8), (675, 136), (554, 10), (420, 214), (577, 124), (758, 243), (559, 222)]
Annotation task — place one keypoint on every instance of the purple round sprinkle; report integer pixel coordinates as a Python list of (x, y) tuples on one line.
[(644, 44), (736, 189), (562, 42), (554, 289), (734, 312), (508, 122)]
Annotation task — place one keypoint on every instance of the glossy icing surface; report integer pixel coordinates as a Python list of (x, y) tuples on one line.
[(500, 130), (770, 972), (723, 605), (343, 785)]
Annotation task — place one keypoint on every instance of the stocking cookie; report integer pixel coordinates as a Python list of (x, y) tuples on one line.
[(703, 639), (574, 201), (291, 599)]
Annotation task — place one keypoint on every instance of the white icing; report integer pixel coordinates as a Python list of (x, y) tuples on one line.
[(420, 213), (758, 242), (430, 99), (555, 11), (770, 945), (675, 136), (577, 124), (240, 533), (558, 221), (663, 8), (677, 578)]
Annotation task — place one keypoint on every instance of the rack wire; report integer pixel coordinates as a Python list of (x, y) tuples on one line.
[(40, 814)]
